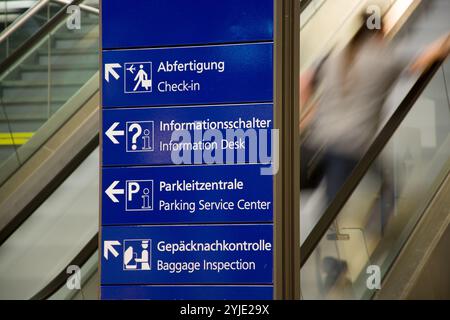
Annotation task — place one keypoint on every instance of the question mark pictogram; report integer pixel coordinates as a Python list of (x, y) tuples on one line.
[(138, 129)]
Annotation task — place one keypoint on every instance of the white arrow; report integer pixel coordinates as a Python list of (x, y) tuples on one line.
[(109, 69), (111, 192), (109, 247), (111, 133)]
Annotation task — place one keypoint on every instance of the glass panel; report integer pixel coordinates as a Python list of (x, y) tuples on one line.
[(40, 92), (382, 212), (72, 60), (310, 11)]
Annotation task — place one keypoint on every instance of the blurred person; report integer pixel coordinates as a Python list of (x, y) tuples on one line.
[(355, 84), (342, 122)]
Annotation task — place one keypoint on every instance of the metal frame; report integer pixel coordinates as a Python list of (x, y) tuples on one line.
[(286, 219), (286, 183)]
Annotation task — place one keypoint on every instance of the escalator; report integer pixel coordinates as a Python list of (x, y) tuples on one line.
[(11, 10), (49, 161), (419, 158), (369, 246), (355, 233)]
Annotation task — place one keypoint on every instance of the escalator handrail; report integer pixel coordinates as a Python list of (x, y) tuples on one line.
[(33, 41), (27, 15), (36, 38), (363, 166), (61, 279), (304, 4), (90, 248)]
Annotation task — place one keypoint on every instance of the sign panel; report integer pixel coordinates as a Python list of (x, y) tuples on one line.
[(187, 292), (216, 254), (216, 74), (133, 24), (187, 121), (187, 135), (186, 194)]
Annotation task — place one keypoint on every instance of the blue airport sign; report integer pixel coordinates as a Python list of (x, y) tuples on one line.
[(187, 116), (187, 292), (218, 74), (214, 254), (187, 135), (186, 194), (143, 23)]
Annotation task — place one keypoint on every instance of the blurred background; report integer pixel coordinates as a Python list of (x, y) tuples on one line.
[(389, 199)]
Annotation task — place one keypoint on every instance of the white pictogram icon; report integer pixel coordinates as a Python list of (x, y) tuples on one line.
[(137, 255), (138, 77)]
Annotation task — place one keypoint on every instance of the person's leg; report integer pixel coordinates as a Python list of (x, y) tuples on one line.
[(311, 167), (338, 169)]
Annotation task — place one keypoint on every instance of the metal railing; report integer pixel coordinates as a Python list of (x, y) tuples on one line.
[(34, 42), (33, 11), (22, 19)]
